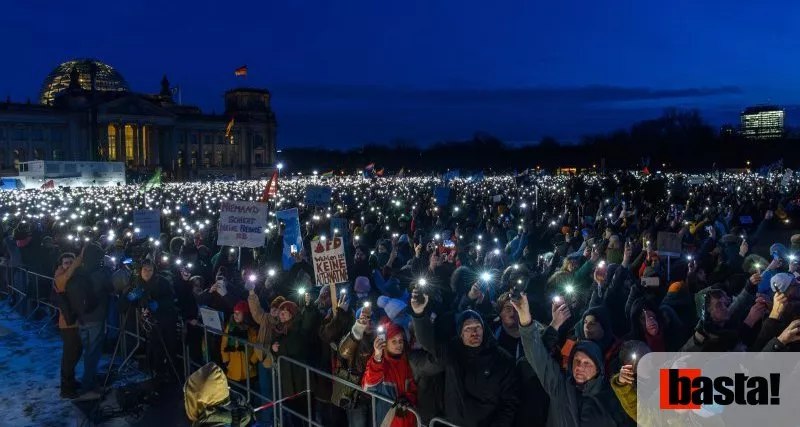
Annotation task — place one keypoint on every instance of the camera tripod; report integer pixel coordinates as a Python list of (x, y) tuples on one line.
[(150, 327)]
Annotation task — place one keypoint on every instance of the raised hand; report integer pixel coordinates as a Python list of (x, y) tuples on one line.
[(417, 305), (378, 346), (561, 313), (626, 375), (523, 309), (791, 333)]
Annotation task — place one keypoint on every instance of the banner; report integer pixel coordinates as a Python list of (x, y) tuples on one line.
[(212, 319), (291, 235), (343, 228), (330, 266), (148, 222), (319, 196), (442, 195), (242, 224)]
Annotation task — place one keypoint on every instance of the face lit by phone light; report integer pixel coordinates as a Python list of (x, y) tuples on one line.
[(146, 272), (472, 333), (583, 368), (649, 322)]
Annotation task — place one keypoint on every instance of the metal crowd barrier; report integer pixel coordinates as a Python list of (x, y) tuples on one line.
[(434, 421), (248, 349), (308, 370), (189, 365)]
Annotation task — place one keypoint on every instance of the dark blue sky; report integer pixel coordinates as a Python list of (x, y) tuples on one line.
[(349, 72)]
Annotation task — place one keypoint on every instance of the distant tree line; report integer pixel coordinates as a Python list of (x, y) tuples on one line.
[(678, 139)]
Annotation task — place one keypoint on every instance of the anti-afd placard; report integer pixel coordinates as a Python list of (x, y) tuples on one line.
[(242, 224), (330, 266), (717, 389)]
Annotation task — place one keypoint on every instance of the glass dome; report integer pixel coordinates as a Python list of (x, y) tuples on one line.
[(108, 79)]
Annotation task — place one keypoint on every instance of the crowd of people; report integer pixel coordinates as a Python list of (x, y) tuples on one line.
[(511, 301)]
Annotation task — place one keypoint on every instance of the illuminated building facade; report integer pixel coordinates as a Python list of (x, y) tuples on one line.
[(762, 122), (86, 111)]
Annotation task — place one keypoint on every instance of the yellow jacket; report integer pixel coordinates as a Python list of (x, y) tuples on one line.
[(626, 394), (237, 363)]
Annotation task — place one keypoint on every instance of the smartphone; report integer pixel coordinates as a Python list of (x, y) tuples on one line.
[(293, 249)]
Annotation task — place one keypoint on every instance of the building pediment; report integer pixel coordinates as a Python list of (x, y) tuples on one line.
[(133, 106)]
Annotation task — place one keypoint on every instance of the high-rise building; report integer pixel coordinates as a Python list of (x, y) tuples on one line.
[(763, 122), (86, 111)]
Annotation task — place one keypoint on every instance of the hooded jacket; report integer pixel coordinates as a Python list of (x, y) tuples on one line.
[(480, 383), (207, 399), (89, 287), (609, 344), (592, 405)]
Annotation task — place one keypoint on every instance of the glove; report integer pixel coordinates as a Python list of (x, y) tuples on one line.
[(135, 294), (153, 306)]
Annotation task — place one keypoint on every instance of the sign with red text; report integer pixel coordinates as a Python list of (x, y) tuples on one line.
[(330, 266), (242, 224)]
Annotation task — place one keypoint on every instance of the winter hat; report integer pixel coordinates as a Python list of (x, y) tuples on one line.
[(781, 282), (750, 262), (779, 250), (392, 306), (795, 240), (389, 287), (391, 329), (362, 285), (403, 239), (467, 315), (675, 287), (241, 307), (289, 306), (276, 303)]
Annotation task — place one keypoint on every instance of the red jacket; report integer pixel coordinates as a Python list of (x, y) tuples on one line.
[(392, 377)]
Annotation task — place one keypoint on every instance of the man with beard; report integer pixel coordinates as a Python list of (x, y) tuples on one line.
[(480, 378)]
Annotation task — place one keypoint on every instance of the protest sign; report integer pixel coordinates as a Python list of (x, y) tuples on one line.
[(668, 244), (442, 195), (148, 222), (212, 319), (319, 196), (242, 224), (330, 266), (291, 235)]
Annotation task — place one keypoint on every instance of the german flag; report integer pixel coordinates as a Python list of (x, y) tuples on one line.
[(241, 71)]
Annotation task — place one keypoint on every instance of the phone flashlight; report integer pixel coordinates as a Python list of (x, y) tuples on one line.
[(382, 333), (557, 299), (252, 278)]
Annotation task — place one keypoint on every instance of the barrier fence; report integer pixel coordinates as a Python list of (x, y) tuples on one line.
[(27, 287)]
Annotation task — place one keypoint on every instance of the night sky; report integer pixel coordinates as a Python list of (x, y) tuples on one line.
[(345, 73)]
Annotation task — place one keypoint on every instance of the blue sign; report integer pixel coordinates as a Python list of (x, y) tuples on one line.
[(291, 235), (318, 196), (442, 195)]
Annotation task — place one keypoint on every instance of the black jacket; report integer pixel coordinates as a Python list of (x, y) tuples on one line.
[(480, 386), (89, 287), (595, 405)]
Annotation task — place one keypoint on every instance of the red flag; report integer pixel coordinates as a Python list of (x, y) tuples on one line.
[(379, 172), (49, 184), (271, 189), (241, 71)]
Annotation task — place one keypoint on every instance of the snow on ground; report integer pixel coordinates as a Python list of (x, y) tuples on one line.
[(29, 376)]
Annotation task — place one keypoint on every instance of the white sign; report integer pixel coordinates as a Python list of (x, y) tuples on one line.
[(330, 266), (242, 224), (211, 318), (148, 222)]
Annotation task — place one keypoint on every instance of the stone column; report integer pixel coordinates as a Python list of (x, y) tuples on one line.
[(136, 145)]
